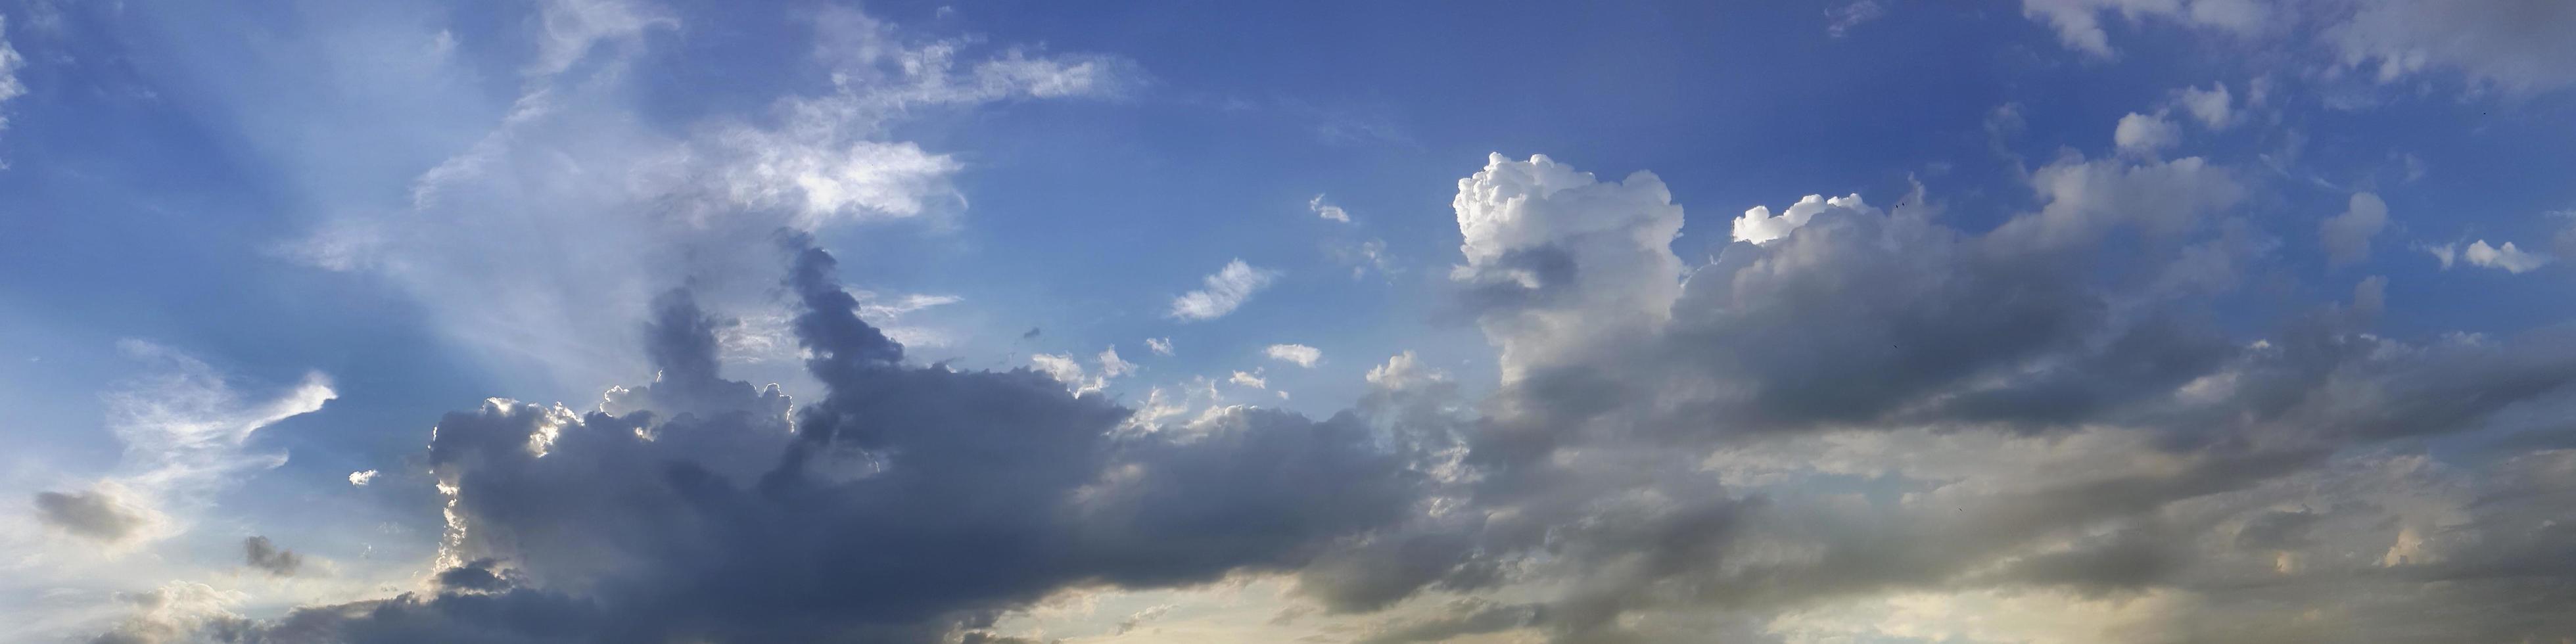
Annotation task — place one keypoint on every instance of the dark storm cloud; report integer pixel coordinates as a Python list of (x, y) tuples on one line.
[(907, 505), (90, 514), (258, 553)]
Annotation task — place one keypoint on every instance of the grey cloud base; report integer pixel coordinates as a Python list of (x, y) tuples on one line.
[(911, 503), (1864, 404)]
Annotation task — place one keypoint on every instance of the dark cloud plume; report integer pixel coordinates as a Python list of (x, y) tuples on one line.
[(90, 514), (258, 553)]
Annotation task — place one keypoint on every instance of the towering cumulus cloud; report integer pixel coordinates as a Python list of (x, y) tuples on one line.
[(1850, 423), (909, 505)]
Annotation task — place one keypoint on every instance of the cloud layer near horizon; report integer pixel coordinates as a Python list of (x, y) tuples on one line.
[(1663, 457)]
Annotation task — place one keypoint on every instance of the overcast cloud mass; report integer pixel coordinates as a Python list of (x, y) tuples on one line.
[(612, 321)]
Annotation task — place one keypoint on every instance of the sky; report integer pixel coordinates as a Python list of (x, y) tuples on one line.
[(1861, 321)]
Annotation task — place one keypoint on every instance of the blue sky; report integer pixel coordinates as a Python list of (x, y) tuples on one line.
[(208, 211)]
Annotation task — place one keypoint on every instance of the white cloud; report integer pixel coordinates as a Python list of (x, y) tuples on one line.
[(572, 28), (184, 428), (2212, 107), (1161, 346), (2516, 45), (2506, 258), (2079, 22), (1403, 371), (1064, 369), (2144, 135), (1840, 20), (1249, 380), (361, 478), (2083, 199), (2347, 236), (1302, 355), (1111, 366), (1328, 211), (1758, 225), (541, 233), (1526, 223), (1230, 287), (10, 87)]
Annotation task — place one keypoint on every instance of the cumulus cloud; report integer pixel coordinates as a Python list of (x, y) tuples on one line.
[(258, 553), (1328, 211), (1249, 379), (1758, 225), (2505, 258), (1675, 464), (1160, 346), (2145, 135), (1111, 366), (692, 508), (361, 478), (1528, 224), (1230, 287), (1871, 424), (2347, 236), (1404, 371), (2512, 260), (1298, 354), (2212, 107)]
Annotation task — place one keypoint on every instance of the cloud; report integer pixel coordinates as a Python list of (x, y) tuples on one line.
[(2507, 258), (1301, 355), (2512, 260), (10, 86), (1404, 371), (1758, 225), (2212, 107), (1111, 366), (1327, 211), (2347, 236), (1841, 20), (95, 514), (1867, 424), (1230, 287), (258, 553), (2145, 135), (1672, 461), (1139, 618), (1161, 346), (2510, 45), (185, 429), (659, 197), (1249, 379), (174, 612), (2079, 22), (692, 508), (1526, 226), (360, 478)]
